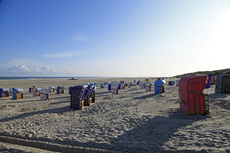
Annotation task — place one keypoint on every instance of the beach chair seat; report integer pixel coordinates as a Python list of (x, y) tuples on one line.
[(192, 100), (17, 94), (44, 94), (4, 92), (60, 90), (36, 92)]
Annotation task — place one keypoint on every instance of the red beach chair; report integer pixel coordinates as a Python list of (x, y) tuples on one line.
[(192, 100)]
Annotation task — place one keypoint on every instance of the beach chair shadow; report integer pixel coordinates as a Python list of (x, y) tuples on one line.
[(54, 110), (218, 95), (154, 133), (100, 93), (60, 97), (145, 96), (61, 102), (19, 101), (139, 92)]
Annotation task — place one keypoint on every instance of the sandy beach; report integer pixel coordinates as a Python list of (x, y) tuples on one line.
[(132, 121)]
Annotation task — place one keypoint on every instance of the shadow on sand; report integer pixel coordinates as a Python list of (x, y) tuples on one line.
[(149, 136), (218, 95), (145, 96), (54, 110)]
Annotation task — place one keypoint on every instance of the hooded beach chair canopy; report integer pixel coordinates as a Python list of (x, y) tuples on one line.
[(192, 99)]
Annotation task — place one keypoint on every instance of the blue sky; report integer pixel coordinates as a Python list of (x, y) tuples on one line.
[(113, 38)]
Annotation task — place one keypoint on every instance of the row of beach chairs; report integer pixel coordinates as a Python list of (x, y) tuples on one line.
[(16, 93), (158, 85), (192, 100)]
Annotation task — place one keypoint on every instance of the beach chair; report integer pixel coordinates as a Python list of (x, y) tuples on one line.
[(121, 86), (192, 100), (51, 89), (60, 90), (105, 83), (223, 83), (77, 97), (170, 83), (207, 85), (148, 86), (17, 94), (114, 88), (109, 86), (142, 84), (102, 85), (70, 90), (90, 95), (31, 89), (11, 91), (177, 83), (93, 92), (159, 86), (213, 80), (130, 84), (88, 99), (36, 92), (4, 93), (138, 82), (44, 94)]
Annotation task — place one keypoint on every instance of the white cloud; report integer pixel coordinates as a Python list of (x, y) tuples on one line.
[(63, 54), (43, 70), (29, 40), (18, 69)]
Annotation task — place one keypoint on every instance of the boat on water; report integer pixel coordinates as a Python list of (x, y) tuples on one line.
[(73, 78)]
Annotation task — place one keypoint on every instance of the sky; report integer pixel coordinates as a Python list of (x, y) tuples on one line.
[(113, 38)]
